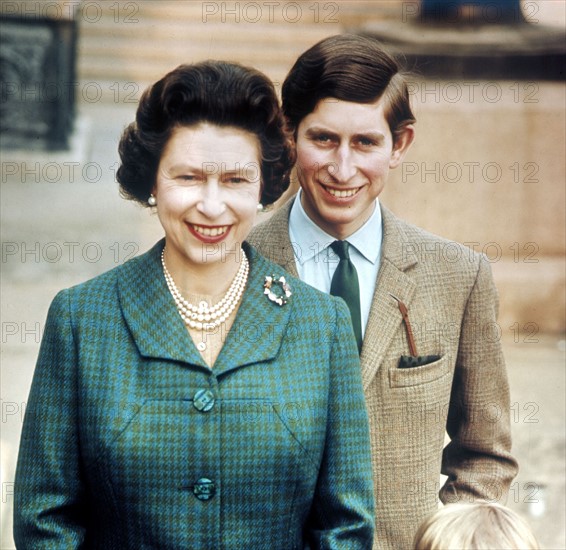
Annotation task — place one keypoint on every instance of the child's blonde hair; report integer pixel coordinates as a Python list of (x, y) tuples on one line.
[(477, 526)]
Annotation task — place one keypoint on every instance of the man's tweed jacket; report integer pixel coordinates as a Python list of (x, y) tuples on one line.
[(120, 450), (452, 306)]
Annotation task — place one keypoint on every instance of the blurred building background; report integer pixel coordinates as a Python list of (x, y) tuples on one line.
[(487, 169)]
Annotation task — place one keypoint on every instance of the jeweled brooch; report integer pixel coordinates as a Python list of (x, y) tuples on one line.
[(277, 289)]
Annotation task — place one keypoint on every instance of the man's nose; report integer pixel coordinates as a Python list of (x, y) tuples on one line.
[(343, 168)]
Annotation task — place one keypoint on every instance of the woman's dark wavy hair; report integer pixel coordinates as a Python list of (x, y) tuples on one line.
[(220, 93), (350, 68)]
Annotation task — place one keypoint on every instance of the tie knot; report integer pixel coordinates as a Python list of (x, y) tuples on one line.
[(341, 249)]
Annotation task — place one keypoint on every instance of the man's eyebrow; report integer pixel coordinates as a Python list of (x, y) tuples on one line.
[(373, 134), (370, 133), (320, 130)]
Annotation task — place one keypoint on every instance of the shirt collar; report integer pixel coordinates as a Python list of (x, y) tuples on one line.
[(308, 239)]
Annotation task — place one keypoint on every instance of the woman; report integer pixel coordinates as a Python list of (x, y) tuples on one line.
[(193, 397)]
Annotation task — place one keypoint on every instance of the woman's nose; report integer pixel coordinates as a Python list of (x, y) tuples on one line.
[(211, 203)]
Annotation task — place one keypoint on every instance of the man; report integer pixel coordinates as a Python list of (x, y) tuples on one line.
[(429, 365)]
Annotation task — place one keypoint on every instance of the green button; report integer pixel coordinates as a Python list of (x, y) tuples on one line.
[(203, 400), (204, 489)]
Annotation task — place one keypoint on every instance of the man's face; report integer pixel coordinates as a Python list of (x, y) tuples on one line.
[(344, 153)]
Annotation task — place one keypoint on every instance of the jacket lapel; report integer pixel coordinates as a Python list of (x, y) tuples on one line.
[(150, 311), (385, 319), (159, 332), (260, 324)]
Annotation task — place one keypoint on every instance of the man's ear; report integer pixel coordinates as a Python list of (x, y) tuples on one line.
[(401, 146)]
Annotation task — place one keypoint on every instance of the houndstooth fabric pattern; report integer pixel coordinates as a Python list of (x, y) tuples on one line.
[(116, 442), (460, 389)]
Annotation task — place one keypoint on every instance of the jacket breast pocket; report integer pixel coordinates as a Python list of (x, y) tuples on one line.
[(416, 376)]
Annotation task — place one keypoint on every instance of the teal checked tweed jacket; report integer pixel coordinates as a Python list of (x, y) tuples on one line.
[(131, 442)]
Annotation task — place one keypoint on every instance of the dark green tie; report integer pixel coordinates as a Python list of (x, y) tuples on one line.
[(345, 285)]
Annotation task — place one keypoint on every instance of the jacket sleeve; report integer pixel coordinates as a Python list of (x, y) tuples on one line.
[(477, 460), (343, 506), (48, 487)]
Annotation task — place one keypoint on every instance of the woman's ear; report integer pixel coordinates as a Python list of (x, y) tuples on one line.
[(401, 146), (293, 138)]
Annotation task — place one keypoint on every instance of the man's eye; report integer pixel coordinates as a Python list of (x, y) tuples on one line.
[(323, 138), (188, 177), (366, 142), (236, 179)]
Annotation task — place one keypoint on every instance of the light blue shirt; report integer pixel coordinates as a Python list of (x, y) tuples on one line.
[(316, 261)]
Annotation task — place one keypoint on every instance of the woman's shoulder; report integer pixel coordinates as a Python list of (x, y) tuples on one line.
[(105, 284)]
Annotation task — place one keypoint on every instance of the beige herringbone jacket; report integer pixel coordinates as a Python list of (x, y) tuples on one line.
[(452, 306)]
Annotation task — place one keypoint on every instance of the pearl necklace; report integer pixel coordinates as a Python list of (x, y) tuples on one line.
[(203, 316)]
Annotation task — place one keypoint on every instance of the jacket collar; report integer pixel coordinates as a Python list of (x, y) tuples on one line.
[(159, 331), (396, 247)]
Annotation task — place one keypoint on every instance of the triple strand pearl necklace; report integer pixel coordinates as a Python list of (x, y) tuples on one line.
[(203, 316)]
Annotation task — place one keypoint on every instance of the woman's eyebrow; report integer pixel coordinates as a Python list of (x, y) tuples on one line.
[(185, 167)]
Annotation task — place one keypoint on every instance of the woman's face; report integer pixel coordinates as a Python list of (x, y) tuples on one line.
[(207, 190)]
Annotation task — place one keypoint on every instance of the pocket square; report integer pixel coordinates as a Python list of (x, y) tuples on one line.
[(410, 361)]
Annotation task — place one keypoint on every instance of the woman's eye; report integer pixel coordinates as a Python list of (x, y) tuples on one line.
[(188, 178)]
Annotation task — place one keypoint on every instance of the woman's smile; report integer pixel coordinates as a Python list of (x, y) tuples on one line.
[(209, 233)]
